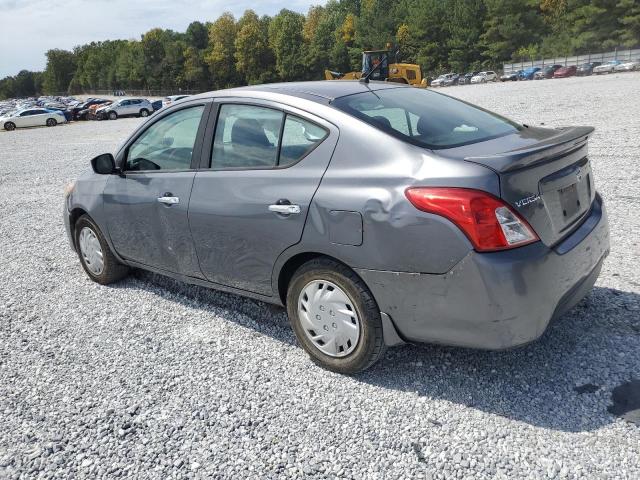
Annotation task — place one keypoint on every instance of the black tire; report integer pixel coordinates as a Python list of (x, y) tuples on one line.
[(113, 270), (113, 116), (144, 113), (370, 346), (9, 126), (51, 122)]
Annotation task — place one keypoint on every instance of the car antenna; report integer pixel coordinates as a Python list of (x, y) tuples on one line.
[(365, 78)]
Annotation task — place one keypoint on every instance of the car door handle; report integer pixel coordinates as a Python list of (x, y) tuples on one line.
[(169, 200), (285, 209)]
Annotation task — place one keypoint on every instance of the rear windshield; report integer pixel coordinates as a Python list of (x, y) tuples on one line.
[(425, 118)]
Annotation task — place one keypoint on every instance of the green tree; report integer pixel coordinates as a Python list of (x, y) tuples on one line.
[(286, 40), (510, 25), (221, 54), (629, 32), (197, 35), (252, 53), (61, 67)]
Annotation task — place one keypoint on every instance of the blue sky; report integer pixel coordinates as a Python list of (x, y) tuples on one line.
[(28, 28)]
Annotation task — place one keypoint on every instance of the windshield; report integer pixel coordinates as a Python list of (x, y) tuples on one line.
[(425, 118)]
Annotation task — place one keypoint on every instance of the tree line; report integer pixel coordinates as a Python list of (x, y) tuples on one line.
[(440, 35)]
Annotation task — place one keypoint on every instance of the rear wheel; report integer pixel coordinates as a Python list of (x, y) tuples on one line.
[(335, 317), (95, 255), (51, 122), (144, 112), (113, 115), (9, 126)]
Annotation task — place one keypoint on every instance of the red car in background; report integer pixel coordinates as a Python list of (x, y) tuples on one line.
[(565, 72)]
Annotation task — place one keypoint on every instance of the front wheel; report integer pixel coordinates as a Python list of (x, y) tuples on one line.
[(51, 122), (95, 255), (113, 115), (9, 126), (144, 113), (335, 317)]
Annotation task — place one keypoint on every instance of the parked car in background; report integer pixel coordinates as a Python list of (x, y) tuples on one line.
[(468, 230), (157, 105), (172, 98), (627, 67), (439, 82), (529, 73), (32, 117), (95, 111), (129, 107), (608, 67), (452, 80), (81, 111), (484, 77), (587, 68), (511, 77), (565, 72), (547, 72), (466, 78)]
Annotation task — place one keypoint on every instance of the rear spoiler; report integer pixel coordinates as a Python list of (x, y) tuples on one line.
[(567, 138)]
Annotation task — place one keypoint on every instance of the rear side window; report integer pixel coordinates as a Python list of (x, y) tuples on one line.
[(299, 138), (250, 136), (425, 118)]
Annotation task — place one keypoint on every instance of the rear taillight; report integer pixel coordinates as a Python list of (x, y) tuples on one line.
[(487, 221)]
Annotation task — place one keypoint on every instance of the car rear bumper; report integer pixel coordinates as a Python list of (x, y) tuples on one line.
[(495, 300)]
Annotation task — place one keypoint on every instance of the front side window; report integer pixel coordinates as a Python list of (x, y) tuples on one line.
[(425, 118), (167, 144)]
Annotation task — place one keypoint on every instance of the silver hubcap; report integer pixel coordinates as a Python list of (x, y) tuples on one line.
[(329, 318), (91, 251)]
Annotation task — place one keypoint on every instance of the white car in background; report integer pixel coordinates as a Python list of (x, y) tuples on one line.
[(172, 98), (627, 66), (484, 77), (608, 67), (32, 117)]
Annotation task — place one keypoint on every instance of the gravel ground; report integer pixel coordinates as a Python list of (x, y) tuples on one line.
[(151, 378)]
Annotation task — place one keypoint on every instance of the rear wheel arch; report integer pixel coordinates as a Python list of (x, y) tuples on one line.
[(292, 264)]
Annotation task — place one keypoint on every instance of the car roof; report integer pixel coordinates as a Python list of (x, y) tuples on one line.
[(322, 91)]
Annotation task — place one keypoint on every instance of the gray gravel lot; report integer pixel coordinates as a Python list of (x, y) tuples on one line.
[(151, 378)]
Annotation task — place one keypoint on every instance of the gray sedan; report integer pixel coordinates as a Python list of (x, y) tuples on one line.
[(376, 213)]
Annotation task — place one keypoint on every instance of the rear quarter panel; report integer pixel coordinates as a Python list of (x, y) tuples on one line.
[(368, 174)]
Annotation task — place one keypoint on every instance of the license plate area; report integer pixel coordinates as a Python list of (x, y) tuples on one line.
[(569, 200)]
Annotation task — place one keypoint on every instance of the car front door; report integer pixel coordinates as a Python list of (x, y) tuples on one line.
[(250, 201), (25, 119), (146, 206)]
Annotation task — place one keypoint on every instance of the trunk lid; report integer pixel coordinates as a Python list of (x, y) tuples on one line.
[(545, 175)]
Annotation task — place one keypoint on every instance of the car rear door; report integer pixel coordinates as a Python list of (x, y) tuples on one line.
[(261, 166), (146, 206)]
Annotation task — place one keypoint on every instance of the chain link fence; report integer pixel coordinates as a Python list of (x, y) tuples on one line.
[(622, 55)]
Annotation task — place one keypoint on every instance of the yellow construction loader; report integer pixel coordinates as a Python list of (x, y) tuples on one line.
[(376, 66)]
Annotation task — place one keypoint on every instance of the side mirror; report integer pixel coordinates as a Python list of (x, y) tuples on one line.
[(167, 141), (104, 164)]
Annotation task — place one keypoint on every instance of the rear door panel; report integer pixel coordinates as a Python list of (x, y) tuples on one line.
[(237, 238)]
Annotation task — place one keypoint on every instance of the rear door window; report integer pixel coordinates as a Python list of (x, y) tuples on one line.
[(249, 136)]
